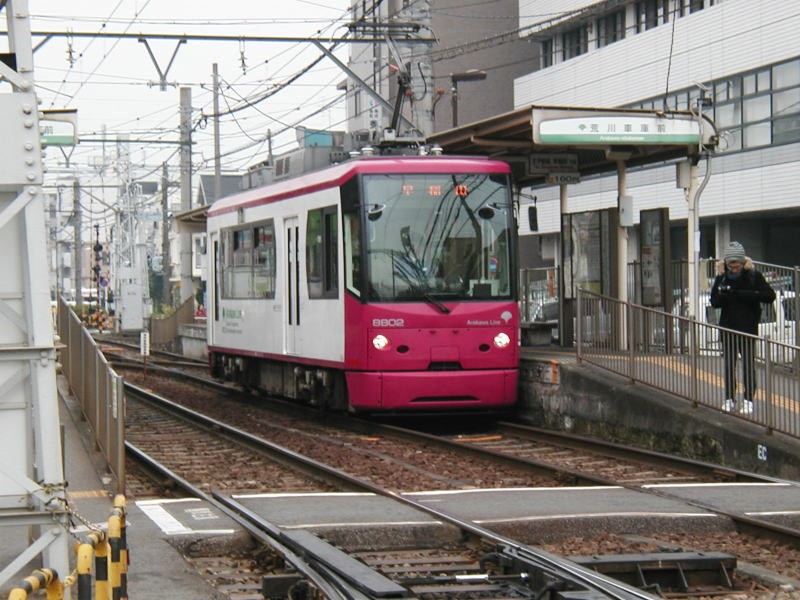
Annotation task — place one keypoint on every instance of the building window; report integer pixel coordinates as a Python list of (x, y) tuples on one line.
[(786, 75), (752, 109), (610, 28), (575, 42), (686, 7), (728, 118), (695, 5), (546, 53), (651, 13)]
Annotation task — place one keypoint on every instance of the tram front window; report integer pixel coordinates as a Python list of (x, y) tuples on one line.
[(438, 236)]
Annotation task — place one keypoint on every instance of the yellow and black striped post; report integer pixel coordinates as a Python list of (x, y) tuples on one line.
[(118, 565), (46, 579), (97, 548)]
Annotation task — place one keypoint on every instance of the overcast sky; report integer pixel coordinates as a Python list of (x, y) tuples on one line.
[(114, 84)]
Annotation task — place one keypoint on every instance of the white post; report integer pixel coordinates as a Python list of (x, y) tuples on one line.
[(622, 255), (693, 240)]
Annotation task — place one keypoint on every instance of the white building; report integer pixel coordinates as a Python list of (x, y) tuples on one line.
[(656, 53)]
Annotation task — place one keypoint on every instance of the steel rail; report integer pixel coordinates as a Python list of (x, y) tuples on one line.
[(580, 477), (614, 449), (552, 565), (265, 532), (745, 523), (278, 453), (101, 341)]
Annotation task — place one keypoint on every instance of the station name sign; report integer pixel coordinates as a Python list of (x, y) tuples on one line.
[(608, 128), (59, 127)]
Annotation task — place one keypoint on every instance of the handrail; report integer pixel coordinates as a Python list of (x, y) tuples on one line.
[(98, 388), (685, 357)]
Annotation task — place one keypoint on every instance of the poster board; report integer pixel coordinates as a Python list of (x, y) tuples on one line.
[(655, 281)]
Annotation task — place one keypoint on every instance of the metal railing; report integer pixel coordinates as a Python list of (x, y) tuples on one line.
[(539, 295), (97, 387), (778, 320), (686, 358)]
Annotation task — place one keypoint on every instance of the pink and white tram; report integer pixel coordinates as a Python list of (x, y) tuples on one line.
[(379, 284)]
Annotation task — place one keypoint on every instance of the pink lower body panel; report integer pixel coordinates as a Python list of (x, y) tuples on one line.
[(431, 390)]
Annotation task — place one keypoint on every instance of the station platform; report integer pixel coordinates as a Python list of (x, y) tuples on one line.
[(559, 392)]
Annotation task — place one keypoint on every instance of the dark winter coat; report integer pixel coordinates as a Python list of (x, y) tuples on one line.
[(740, 299)]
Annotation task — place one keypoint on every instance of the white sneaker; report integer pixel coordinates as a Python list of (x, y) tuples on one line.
[(747, 407), (728, 405)]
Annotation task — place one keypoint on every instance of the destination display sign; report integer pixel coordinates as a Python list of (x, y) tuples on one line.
[(607, 128)]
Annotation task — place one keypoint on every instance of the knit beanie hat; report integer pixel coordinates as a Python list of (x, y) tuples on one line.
[(734, 253)]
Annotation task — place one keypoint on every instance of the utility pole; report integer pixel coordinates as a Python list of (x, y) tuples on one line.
[(131, 294), (217, 158), (78, 228), (185, 238), (421, 73), (166, 261)]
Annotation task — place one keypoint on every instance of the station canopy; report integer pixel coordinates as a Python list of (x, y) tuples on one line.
[(193, 220), (554, 145)]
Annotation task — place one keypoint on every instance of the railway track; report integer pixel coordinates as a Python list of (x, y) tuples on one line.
[(128, 353), (506, 568), (359, 440)]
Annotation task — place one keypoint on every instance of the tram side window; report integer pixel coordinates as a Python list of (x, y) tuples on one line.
[(322, 252), (264, 261), (352, 253), (248, 262)]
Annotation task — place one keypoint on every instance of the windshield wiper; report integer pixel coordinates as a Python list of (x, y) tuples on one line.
[(436, 303)]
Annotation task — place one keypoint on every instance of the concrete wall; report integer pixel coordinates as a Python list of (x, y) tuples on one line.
[(585, 400), (192, 340)]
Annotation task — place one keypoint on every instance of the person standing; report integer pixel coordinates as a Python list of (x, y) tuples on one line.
[(739, 290)]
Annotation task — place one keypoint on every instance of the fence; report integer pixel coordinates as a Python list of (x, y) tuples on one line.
[(539, 295), (97, 387), (778, 320), (685, 357), (164, 331)]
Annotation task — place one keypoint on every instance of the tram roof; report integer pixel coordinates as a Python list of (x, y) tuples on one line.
[(585, 140), (331, 176)]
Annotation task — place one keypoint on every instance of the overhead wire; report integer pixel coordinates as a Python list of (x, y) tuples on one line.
[(91, 41), (171, 111), (113, 47)]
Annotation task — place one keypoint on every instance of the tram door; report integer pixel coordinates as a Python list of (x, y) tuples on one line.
[(292, 299)]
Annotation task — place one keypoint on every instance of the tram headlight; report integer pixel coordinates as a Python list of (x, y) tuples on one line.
[(381, 342), (501, 340)]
